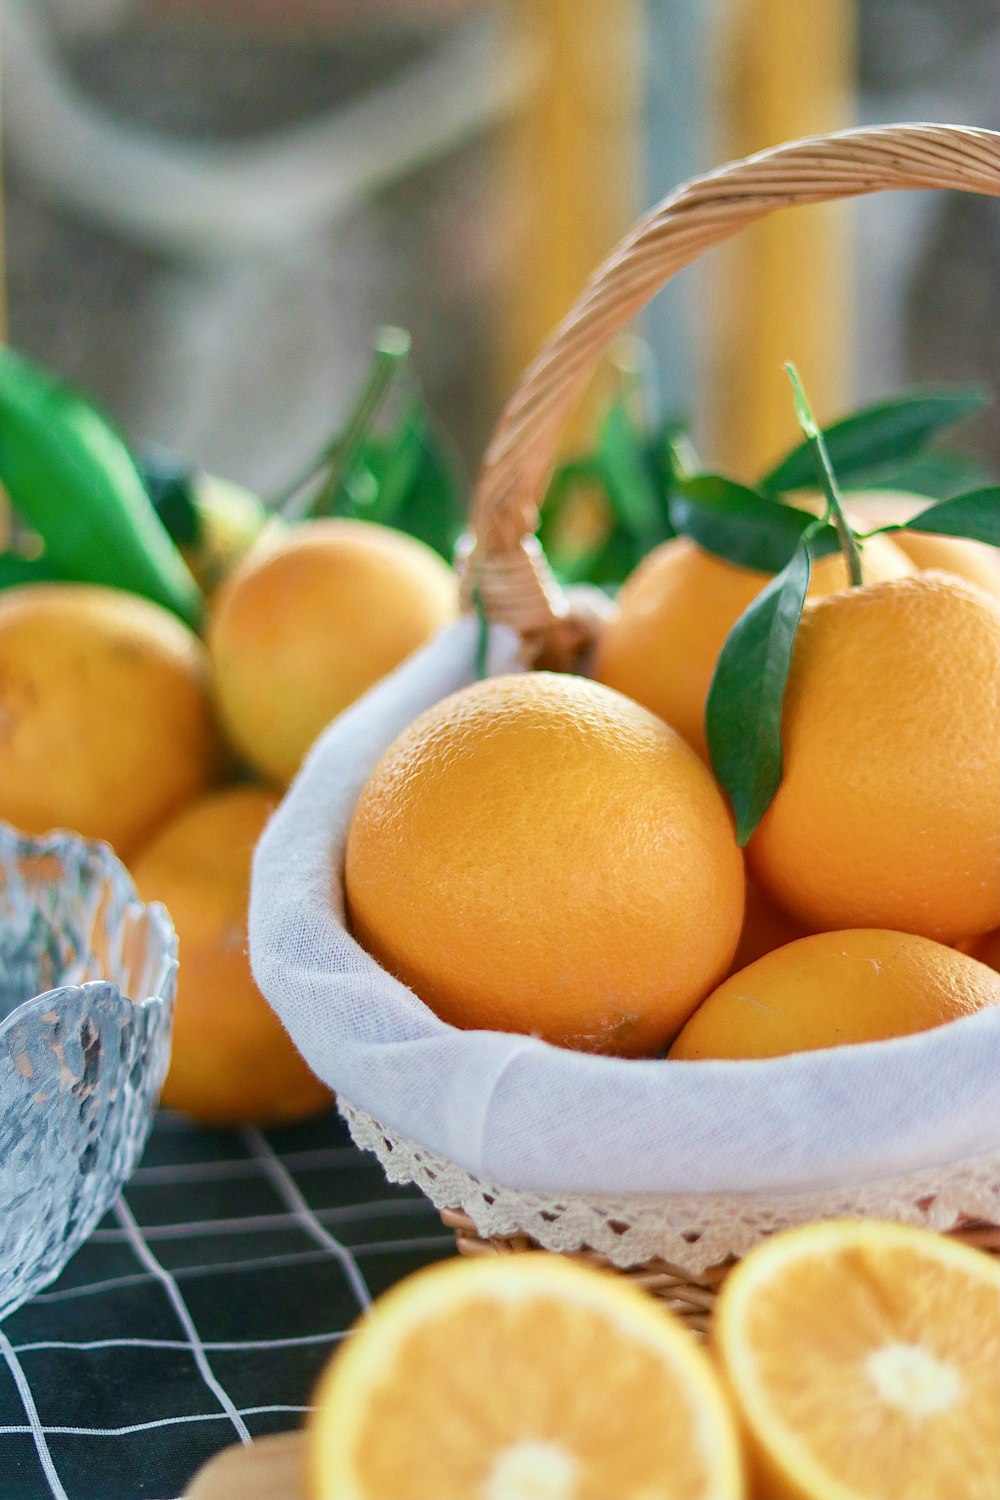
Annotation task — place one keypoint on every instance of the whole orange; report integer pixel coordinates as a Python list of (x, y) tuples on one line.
[(765, 926), (986, 949), (976, 561), (309, 621), (675, 612), (537, 853), (888, 812), (834, 988), (232, 1060), (106, 720)]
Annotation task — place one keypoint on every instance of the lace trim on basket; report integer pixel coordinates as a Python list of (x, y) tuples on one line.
[(691, 1231)]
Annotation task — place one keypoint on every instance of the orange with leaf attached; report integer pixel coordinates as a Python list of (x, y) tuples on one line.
[(888, 811), (675, 612)]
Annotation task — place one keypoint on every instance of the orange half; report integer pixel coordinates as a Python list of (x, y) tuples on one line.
[(865, 1362), (521, 1378)]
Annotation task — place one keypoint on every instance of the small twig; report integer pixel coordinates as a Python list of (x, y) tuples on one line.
[(392, 347), (827, 478)]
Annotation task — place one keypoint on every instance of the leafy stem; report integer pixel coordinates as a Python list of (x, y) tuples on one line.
[(392, 348), (747, 693), (826, 476)]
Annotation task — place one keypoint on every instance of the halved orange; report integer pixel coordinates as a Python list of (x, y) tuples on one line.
[(521, 1378), (864, 1358)]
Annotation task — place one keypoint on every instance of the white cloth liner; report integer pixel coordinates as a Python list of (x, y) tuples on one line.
[(515, 1111)]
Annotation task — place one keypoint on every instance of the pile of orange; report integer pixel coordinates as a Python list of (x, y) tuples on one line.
[(119, 723), (548, 854)]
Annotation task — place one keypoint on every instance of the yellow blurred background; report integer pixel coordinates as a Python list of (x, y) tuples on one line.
[(212, 204)]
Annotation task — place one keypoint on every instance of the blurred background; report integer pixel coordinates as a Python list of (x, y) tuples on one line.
[(211, 205)]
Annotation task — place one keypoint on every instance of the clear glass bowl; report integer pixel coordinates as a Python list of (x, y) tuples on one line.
[(87, 978)]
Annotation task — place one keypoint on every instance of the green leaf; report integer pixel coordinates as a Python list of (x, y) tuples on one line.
[(482, 635), (409, 478), (939, 474), (607, 565), (170, 487), (976, 516), (340, 454), (390, 464), (434, 505), (872, 439), (16, 570), (744, 526), (385, 467), (72, 478), (630, 480), (611, 558), (743, 711)]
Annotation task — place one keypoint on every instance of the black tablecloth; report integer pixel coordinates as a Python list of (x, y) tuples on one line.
[(201, 1310)]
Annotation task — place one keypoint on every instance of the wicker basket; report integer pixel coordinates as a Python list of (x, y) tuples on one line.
[(503, 565)]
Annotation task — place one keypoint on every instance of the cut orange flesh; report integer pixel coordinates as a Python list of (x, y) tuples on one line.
[(522, 1378), (865, 1361)]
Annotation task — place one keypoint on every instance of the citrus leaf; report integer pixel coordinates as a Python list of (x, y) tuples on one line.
[(976, 516), (877, 436), (743, 525), (338, 457), (16, 570), (630, 479), (170, 486), (743, 711), (939, 474), (606, 565), (70, 476), (434, 505)]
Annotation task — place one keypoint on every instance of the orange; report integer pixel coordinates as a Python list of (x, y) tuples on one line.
[(106, 721), (865, 1361), (975, 561), (232, 1060), (765, 927), (521, 1378), (986, 949), (888, 813), (309, 621), (228, 520), (675, 612), (833, 988), (537, 853)]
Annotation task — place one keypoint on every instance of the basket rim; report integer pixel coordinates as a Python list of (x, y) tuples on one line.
[(502, 566)]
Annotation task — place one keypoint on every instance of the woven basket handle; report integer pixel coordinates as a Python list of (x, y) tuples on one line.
[(504, 566)]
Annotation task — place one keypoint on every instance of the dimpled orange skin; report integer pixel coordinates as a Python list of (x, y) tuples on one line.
[(539, 854), (232, 1061), (106, 719), (310, 620), (834, 988), (888, 812), (675, 612)]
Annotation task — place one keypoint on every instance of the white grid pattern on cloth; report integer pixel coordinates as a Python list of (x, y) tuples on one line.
[(143, 1254), (285, 1185), (34, 1427), (168, 1302)]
